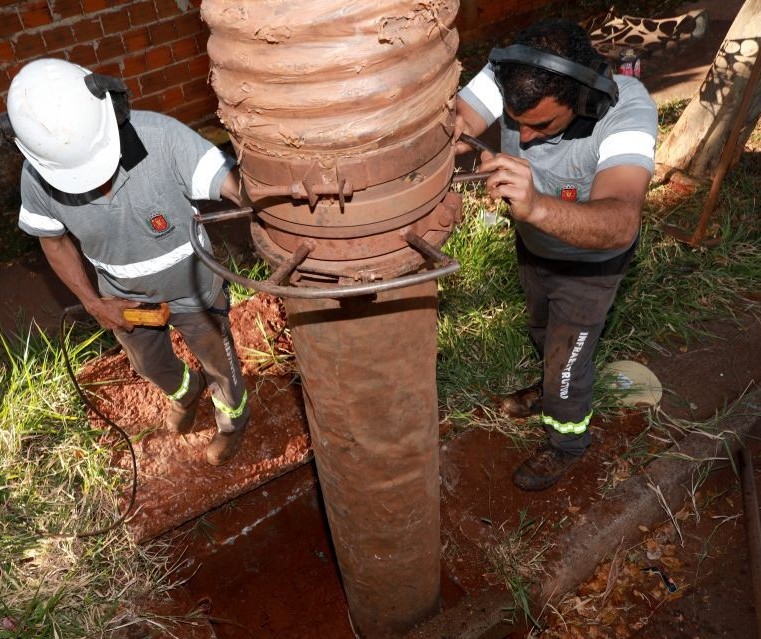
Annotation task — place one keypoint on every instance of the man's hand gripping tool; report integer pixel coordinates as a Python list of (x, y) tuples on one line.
[(147, 314)]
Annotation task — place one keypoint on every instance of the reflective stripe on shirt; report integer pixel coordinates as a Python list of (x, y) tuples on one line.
[(147, 267), (484, 87), (627, 143), (207, 168), (41, 223)]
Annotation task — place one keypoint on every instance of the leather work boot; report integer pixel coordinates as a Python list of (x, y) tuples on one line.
[(224, 446), (524, 402), (180, 419), (543, 468)]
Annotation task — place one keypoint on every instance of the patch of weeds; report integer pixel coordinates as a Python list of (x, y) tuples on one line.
[(522, 433), (273, 358), (658, 440), (516, 561), (483, 347), (669, 113), (253, 269), (203, 528)]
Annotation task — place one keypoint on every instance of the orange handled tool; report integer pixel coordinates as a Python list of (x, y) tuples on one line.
[(147, 314)]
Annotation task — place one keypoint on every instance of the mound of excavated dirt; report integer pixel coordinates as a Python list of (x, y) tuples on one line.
[(175, 482)]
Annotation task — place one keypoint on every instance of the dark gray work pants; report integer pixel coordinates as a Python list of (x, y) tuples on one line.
[(567, 303)]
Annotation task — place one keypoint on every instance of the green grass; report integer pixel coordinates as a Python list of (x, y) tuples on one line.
[(483, 345), (514, 563), (56, 481)]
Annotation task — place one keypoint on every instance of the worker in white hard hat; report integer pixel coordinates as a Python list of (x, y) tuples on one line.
[(123, 184)]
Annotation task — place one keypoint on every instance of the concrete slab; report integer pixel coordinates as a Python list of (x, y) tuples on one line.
[(678, 73)]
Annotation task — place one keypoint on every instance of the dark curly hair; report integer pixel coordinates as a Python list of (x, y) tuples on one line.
[(523, 85)]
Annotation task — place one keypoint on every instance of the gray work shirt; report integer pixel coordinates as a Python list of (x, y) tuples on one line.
[(565, 166), (138, 236)]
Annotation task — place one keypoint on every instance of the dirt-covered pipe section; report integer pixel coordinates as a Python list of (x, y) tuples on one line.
[(351, 105), (296, 76), (369, 381)]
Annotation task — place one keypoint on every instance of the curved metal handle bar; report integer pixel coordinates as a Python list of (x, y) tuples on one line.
[(272, 286), (476, 143)]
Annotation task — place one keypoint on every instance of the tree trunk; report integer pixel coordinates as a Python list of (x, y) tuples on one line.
[(695, 144)]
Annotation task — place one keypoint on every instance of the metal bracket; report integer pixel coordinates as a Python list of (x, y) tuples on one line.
[(305, 190), (273, 285)]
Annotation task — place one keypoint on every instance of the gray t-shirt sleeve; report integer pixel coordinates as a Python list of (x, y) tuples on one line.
[(628, 136), (199, 166), (35, 215), (483, 95)]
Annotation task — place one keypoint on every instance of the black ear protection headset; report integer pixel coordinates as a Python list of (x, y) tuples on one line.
[(98, 85), (599, 90)]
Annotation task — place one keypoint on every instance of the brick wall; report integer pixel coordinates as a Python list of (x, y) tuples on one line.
[(496, 18), (157, 46)]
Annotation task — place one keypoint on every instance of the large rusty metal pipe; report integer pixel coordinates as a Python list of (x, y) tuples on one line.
[(374, 424)]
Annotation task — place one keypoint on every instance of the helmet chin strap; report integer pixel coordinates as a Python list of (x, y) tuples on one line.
[(99, 85), (6, 129)]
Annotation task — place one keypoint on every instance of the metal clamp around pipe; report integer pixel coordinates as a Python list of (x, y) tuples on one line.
[(273, 285)]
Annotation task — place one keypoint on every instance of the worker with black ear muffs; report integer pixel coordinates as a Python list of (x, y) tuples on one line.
[(123, 184), (577, 156)]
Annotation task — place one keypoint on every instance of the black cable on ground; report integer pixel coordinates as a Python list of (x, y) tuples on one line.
[(112, 425)]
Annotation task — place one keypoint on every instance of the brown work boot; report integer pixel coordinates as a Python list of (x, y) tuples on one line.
[(180, 419), (224, 446), (543, 468), (523, 403)]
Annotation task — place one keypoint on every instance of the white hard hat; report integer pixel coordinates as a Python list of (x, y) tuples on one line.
[(68, 135)]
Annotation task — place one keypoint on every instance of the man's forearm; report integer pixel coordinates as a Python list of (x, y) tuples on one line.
[(66, 262), (598, 225)]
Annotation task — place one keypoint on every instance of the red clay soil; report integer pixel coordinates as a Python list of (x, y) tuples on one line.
[(264, 562), (175, 483)]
